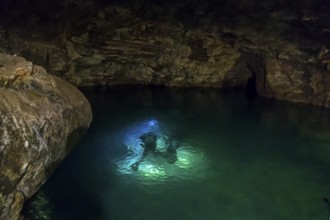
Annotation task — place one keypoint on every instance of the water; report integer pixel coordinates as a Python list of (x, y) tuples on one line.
[(233, 159)]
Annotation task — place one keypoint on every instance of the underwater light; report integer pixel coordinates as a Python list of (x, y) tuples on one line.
[(189, 157), (151, 170), (152, 122), (130, 138), (185, 158), (153, 154), (183, 162)]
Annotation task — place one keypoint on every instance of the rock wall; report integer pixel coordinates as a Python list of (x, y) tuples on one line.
[(41, 118), (116, 47), (282, 45)]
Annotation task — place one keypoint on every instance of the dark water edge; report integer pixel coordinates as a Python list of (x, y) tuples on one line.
[(238, 158)]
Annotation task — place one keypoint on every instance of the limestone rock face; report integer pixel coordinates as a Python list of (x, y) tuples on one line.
[(283, 45), (297, 81), (41, 118), (290, 54), (115, 46), (147, 53)]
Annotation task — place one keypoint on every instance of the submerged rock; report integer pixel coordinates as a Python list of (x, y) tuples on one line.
[(41, 118)]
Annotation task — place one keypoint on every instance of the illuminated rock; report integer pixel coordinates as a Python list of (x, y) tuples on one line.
[(41, 118)]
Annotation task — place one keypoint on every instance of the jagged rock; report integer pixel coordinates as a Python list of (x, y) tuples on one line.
[(292, 81), (41, 118), (118, 47), (185, 43), (285, 81)]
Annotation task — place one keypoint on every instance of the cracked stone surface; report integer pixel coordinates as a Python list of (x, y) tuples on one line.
[(41, 118), (283, 45)]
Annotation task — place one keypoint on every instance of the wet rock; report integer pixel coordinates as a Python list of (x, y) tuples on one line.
[(41, 118)]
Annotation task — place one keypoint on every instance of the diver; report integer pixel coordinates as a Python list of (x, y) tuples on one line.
[(170, 153), (149, 145)]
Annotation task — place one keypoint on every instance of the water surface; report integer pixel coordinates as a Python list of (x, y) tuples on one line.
[(234, 159)]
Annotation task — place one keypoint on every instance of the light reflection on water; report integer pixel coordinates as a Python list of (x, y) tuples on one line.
[(235, 159), (191, 163)]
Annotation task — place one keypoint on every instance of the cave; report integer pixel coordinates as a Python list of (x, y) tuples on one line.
[(251, 87), (215, 109)]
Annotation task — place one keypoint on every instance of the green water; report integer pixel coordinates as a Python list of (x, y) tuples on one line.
[(236, 159)]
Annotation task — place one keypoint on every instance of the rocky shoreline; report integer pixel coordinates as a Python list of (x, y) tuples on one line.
[(41, 118)]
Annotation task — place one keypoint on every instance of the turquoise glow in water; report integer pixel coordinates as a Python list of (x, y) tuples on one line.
[(234, 159)]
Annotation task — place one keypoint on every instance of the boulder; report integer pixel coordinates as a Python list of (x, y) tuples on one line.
[(41, 118)]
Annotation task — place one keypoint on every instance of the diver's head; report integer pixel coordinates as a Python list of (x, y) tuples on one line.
[(149, 140)]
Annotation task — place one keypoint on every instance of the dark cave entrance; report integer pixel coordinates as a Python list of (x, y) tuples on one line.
[(251, 87)]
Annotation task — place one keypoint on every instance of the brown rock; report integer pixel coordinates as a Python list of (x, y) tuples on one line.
[(284, 81), (41, 118), (144, 43), (291, 82)]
